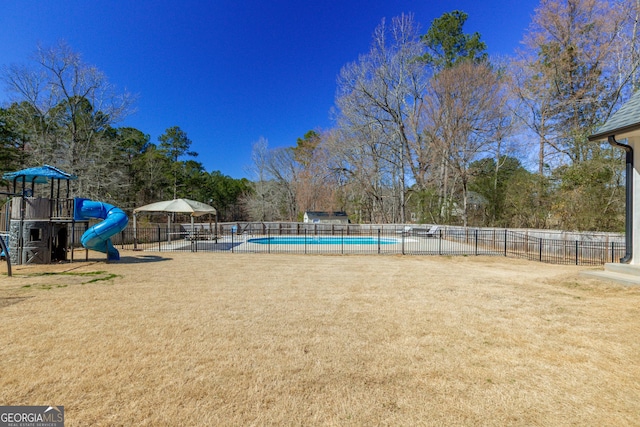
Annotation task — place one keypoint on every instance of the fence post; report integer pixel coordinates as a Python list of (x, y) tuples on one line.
[(159, 237), (341, 240), (232, 245), (378, 241), (505, 242), (576, 252), (402, 243), (493, 241), (305, 239), (540, 250), (440, 242), (476, 239)]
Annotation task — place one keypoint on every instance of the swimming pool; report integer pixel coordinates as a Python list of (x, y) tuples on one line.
[(322, 240)]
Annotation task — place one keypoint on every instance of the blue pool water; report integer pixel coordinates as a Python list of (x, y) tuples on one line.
[(322, 240)]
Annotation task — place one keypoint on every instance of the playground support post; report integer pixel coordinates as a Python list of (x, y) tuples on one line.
[(3, 248)]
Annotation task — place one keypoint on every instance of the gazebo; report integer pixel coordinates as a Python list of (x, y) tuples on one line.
[(622, 130), (187, 206)]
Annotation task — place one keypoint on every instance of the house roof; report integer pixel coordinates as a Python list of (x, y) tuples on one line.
[(624, 121)]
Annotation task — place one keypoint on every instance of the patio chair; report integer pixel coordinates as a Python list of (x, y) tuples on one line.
[(432, 232), (427, 232), (406, 230)]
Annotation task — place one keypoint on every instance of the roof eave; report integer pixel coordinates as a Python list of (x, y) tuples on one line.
[(620, 132)]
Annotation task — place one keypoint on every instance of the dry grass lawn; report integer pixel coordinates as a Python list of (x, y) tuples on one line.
[(195, 339)]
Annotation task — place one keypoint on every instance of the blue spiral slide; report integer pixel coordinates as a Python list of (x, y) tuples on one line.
[(98, 237)]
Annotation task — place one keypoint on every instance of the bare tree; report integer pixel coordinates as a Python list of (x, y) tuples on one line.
[(468, 118), (360, 157), (65, 106), (533, 108), (570, 79), (381, 95), (274, 196), (315, 179), (260, 204)]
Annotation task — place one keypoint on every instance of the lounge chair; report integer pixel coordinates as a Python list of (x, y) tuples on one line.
[(406, 230), (427, 232), (432, 231)]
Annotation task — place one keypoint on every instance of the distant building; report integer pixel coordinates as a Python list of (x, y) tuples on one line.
[(326, 217)]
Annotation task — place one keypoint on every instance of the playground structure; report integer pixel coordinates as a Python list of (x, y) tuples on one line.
[(42, 226)]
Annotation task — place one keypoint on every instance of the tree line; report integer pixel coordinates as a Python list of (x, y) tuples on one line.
[(428, 128), (65, 116)]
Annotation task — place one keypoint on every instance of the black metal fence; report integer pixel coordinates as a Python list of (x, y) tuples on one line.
[(297, 238)]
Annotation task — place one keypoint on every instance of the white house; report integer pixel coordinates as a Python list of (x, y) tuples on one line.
[(622, 130)]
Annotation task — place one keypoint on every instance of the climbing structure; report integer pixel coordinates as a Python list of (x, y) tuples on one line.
[(42, 224)]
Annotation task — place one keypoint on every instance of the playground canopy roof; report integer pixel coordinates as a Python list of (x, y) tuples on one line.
[(178, 206), (39, 175)]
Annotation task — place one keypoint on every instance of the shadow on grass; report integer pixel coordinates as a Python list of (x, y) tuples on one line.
[(141, 259), (210, 246), (7, 301)]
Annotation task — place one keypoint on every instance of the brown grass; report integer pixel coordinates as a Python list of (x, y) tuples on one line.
[(219, 339)]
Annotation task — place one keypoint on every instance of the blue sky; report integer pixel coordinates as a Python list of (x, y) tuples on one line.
[(231, 71)]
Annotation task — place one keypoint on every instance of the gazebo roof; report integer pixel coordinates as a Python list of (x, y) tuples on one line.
[(192, 207), (623, 123)]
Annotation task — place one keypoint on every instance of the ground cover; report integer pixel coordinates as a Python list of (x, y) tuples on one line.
[(248, 339)]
